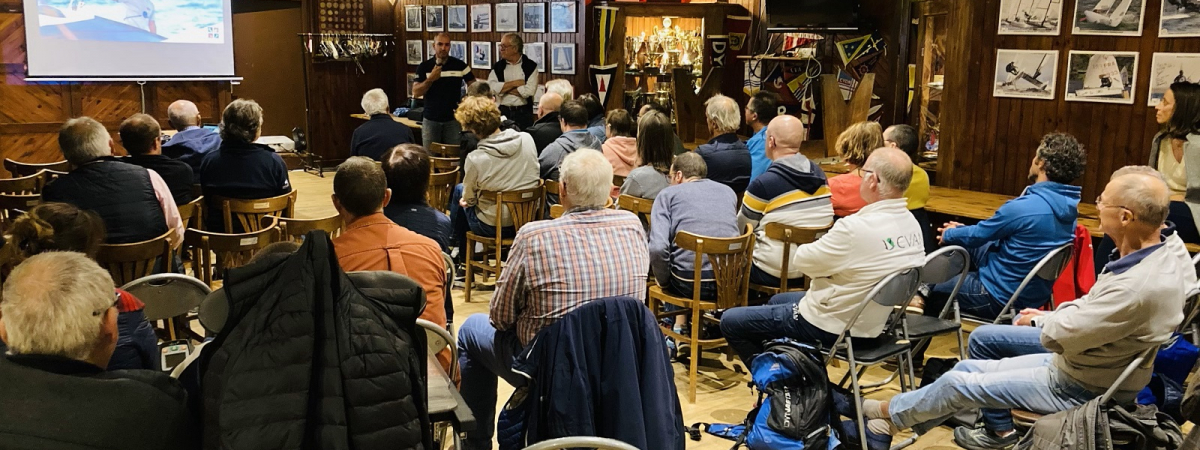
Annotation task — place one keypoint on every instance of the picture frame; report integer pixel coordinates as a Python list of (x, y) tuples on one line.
[(435, 18), (1168, 68), (1030, 17), (414, 18), (533, 18), (507, 18), (481, 55), (1101, 77), (537, 52), (458, 49), (1030, 74), (430, 48), (415, 49), (562, 59), (481, 18), (1109, 17), (1178, 21), (562, 17), (456, 18)]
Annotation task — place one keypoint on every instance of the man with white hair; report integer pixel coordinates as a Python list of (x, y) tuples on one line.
[(554, 266), (514, 79), (59, 319), (845, 264), (440, 80), (381, 132), (727, 157), (546, 129), (241, 168), (561, 87), (190, 142), (135, 202)]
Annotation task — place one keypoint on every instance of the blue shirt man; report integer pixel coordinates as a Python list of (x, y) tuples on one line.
[(760, 110)]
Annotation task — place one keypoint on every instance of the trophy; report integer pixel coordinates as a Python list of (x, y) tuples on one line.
[(632, 45)]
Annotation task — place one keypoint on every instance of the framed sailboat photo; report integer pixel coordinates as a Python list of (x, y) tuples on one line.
[(1180, 18), (1170, 68), (1109, 17), (1031, 17), (1026, 74), (1103, 77)]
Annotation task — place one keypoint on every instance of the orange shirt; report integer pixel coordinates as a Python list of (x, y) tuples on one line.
[(843, 191)]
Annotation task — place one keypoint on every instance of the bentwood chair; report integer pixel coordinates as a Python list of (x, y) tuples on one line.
[(13, 206), (440, 186), (248, 213), (522, 206), (1048, 269), (28, 185), (23, 169), (790, 237), (128, 262), (445, 150), (597, 443), (637, 205), (192, 213), (295, 229), (730, 262), (219, 251), (441, 165)]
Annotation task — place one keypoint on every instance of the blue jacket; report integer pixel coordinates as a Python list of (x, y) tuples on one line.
[(191, 145), (728, 162), (602, 370), (757, 145), (1021, 232), (137, 346)]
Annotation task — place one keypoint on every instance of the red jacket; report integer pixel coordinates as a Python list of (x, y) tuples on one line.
[(1080, 274)]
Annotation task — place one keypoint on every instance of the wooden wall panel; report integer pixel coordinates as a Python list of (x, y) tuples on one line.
[(202, 93), (110, 102)]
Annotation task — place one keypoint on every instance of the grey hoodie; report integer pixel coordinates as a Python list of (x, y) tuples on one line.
[(506, 161), (554, 153)]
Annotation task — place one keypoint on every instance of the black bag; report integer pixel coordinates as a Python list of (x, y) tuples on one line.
[(795, 404)]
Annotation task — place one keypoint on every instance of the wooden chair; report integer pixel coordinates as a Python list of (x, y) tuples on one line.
[(730, 259), (445, 150), (553, 187), (24, 185), (128, 262), (557, 211), (217, 251), (296, 229), (442, 165), (192, 213), (197, 190), (440, 187), (21, 169), (13, 206), (523, 206), (791, 237), (250, 212), (637, 205), (618, 180)]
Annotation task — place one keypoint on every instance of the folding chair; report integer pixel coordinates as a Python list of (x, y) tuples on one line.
[(168, 297), (789, 237), (1048, 268), (438, 339), (940, 266), (598, 443), (523, 206), (128, 262)]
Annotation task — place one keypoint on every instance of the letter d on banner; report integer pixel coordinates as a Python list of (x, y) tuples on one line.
[(718, 50)]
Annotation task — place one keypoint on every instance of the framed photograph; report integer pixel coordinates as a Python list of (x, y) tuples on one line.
[(562, 17), (1179, 19), (1030, 17), (481, 55), (481, 18), (1026, 74), (1109, 17), (1169, 68), (456, 18), (413, 18), (415, 49), (537, 52), (1103, 77), (458, 49), (430, 49), (533, 17), (435, 18), (562, 59), (507, 19)]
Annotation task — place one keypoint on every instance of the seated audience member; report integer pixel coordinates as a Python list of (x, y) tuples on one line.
[(845, 265), (470, 141), (142, 139), (854, 146), (504, 161), (190, 142), (407, 170), (1005, 247), (241, 168), (381, 132), (904, 137), (1174, 152), (134, 202), (59, 319), (654, 155), (792, 192), (1134, 306), (761, 109), (727, 157), (597, 253), (620, 147), (696, 205), (595, 113), (562, 87), (572, 117), (652, 106), (546, 128), (371, 241), (60, 227)]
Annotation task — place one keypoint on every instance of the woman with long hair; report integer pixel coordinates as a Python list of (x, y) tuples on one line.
[(1175, 152), (655, 147)]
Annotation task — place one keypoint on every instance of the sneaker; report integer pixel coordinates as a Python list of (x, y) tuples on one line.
[(982, 439), (684, 351)]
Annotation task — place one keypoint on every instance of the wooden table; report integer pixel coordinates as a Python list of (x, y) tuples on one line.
[(404, 120), (445, 403)]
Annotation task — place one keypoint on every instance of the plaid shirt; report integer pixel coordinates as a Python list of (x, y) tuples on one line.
[(557, 265)]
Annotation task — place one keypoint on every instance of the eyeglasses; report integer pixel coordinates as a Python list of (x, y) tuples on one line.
[(1100, 204), (506, 46), (113, 305), (865, 172)]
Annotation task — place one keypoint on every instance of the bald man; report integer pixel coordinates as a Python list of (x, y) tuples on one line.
[(190, 142), (546, 129), (792, 191)]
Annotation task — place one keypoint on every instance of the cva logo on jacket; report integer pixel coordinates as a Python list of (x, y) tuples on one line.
[(902, 242)]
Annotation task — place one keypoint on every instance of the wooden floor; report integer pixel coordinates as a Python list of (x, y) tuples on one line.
[(722, 395)]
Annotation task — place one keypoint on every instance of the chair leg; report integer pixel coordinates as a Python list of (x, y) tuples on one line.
[(469, 277), (912, 374), (962, 349), (694, 361), (861, 422)]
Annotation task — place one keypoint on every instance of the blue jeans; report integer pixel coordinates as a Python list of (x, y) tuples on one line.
[(483, 355), (1004, 341), (464, 219), (973, 299), (747, 328), (1026, 382), (449, 133)]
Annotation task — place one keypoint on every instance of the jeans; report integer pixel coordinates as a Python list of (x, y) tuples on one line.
[(449, 133), (1004, 341), (1027, 382), (747, 328), (973, 300), (466, 219), (483, 355)]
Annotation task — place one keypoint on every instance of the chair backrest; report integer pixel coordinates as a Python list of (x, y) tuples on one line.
[(791, 237), (598, 443), (295, 229), (167, 295), (439, 165), (1191, 308), (553, 187), (438, 339), (440, 186), (21, 169), (444, 150), (636, 205), (1048, 268), (618, 180), (128, 262), (249, 212), (730, 260), (1148, 353), (523, 205), (27, 185), (895, 289), (13, 206), (217, 251), (192, 213), (943, 265), (557, 211)]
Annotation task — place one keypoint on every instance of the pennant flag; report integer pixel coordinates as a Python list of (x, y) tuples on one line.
[(718, 46), (602, 77), (799, 85), (753, 77), (849, 49), (608, 18), (847, 84), (863, 65), (737, 27)]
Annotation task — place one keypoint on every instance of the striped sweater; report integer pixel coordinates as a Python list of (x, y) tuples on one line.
[(793, 191)]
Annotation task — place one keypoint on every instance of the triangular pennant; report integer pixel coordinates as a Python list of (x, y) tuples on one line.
[(849, 49), (602, 81)]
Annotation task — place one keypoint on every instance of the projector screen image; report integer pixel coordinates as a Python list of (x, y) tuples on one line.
[(129, 38)]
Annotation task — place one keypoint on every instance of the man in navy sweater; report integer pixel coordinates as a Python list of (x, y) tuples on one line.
[(381, 132)]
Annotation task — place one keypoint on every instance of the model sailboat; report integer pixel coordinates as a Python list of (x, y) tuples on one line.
[(1105, 14), (1103, 78)]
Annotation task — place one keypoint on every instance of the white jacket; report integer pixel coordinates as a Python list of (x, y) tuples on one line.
[(847, 262)]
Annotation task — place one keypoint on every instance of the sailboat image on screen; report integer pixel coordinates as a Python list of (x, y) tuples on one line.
[(96, 22), (1108, 12), (1103, 78)]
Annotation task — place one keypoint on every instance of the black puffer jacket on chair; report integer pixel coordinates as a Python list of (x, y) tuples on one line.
[(307, 360)]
